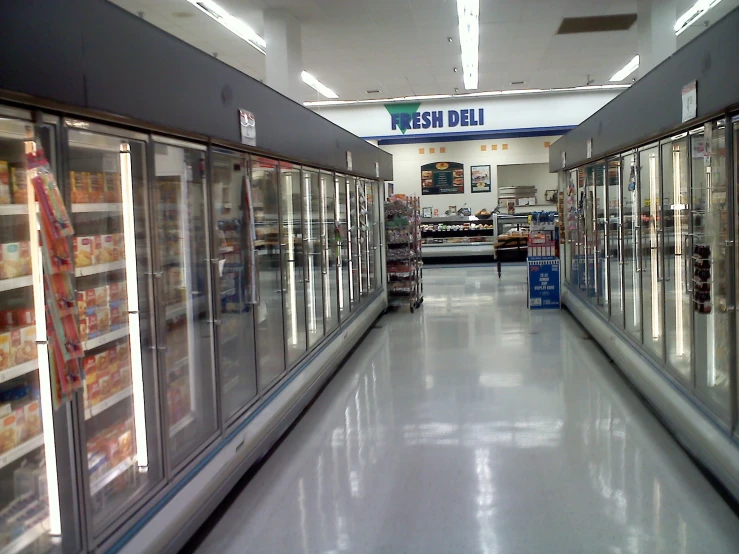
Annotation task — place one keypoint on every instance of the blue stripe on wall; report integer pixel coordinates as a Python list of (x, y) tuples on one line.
[(472, 135)]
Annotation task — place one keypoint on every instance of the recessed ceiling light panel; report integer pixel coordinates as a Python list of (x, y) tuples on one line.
[(468, 14), (626, 70), (317, 85)]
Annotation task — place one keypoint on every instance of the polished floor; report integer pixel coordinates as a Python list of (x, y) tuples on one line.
[(477, 426)]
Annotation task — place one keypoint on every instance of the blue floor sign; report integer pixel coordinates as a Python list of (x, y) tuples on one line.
[(544, 283)]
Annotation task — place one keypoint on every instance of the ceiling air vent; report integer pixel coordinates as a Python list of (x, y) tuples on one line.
[(596, 24)]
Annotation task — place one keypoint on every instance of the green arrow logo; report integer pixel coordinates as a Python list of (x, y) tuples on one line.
[(410, 109)]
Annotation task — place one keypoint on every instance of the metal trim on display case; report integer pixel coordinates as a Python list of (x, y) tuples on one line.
[(181, 143)]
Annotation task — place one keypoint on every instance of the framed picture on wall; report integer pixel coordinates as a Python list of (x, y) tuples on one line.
[(480, 178), (427, 212)]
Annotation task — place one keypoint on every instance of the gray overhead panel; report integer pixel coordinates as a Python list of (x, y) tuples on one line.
[(653, 106), (96, 56)]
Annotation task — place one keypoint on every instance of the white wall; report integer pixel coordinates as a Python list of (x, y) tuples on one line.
[(407, 162), (536, 175)]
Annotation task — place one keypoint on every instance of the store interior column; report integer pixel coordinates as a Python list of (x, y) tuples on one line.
[(284, 52), (656, 25)]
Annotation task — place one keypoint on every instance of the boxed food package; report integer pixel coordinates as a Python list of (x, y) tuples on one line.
[(114, 370), (116, 321), (101, 297), (120, 245), (23, 345), (25, 317), (4, 351), (124, 357), (25, 255), (11, 262), (108, 250), (8, 433), (92, 387), (112, 187), (103, 375), (8, 320), (114, 293), (28, 420), (4, 183), (83, 328), (92, 326), (20, 184), (84, 251), (125, 442), (81, 303), (96, 187), (103, 317), (80, 181), (90, 300)]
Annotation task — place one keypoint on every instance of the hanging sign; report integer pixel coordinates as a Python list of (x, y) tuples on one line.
[(690, 101), (248, 125), (442, 178)]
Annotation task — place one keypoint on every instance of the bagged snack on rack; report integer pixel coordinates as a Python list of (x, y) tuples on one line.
[(65, 297), (4, 183), (51, 204)]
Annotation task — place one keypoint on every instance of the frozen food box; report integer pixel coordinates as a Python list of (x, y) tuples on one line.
[(4, 351), (113, 369), (108, 250), (19, 184), (4, 183), (103, 316), (83, 328), (102, 299), (8, 320), (84, 251), (25, 255), (23, 345), (124, 357), (90, 300), (80, 182), (92, 387), (92, 326), (97, 245), (11, 261), (81, 303), (116, 321), (8, 433), (112, 187), (25, 317), (103, 375), (114, 293), (31, 419), (96, 188)]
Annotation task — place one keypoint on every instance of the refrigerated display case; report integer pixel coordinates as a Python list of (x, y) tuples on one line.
[(112, 260), (331, 252), (185, 336), (313, 239), (236, 289)]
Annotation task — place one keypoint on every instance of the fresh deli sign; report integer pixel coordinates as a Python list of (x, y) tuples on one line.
[(409, 116)]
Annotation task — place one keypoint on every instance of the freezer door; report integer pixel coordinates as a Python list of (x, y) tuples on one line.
[(270, 329), (313, 239), (107, 184), (234, 267), (329, 232), (185, 344), (345, 250), (37, 472)]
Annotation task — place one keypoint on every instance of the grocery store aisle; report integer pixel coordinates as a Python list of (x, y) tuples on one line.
[(472, 426)]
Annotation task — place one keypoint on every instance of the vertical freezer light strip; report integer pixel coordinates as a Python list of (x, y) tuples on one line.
[(679, 261), (42, 348), (339, 247), (137, 370), (468, 13), (653, 247)]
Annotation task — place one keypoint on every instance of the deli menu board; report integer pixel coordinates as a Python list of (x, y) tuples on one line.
[(442, 178)]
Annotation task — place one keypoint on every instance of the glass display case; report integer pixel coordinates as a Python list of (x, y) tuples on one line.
[(185, 336), (457, 236), (236, 288), (313, 238), (346, 286), (331, 253), (670, 253), (112, 260)]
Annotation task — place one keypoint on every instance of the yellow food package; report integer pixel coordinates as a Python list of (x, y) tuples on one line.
[(20, 184)]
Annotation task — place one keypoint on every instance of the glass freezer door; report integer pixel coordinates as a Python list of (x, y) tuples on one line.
[(108, 190), (185, 344), (313, 239), (615, 243), (345, 251), (236, 279), (631, 232), (31, 455), (329, 231)]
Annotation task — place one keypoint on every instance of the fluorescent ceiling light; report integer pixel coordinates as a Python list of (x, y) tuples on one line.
[(520, 92), (233, 24), (627, 70), (314, 83), (698, 9), (468, 12)]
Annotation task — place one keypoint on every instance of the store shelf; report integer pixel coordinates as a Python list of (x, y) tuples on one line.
[(112, 475), (90, 208), (13, 209), (104, 339), (17, 371), (21, 450), (181, 424), (17, 283), (458, 249), (107, 403), (99, 268), (27, 538)]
